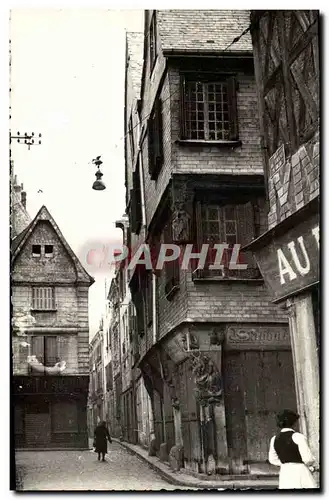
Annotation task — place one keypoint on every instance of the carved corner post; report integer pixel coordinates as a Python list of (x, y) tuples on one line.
[(207, 370), (147, 377), (218, 407), (303, 343), (182, 210), (168, 370)]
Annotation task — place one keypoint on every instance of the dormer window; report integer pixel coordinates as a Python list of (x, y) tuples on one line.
[(36, 250), (49, 250)]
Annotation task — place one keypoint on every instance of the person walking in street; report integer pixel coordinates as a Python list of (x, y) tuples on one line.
[(289, 451), (100, 440)]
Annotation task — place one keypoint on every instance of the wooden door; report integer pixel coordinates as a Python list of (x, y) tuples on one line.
[(190, 419), (268, 387), (234, 411), (257, 385), (158, 417)]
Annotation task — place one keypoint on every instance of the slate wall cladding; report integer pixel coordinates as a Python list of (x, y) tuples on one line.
[(293, 182), (200, 301)]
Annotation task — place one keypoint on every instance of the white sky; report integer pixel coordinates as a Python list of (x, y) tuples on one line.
[(68, 84)]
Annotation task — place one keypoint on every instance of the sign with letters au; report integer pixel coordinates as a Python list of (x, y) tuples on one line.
[(290, 262)]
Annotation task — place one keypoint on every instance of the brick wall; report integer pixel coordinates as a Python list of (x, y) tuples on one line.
[(246, 159), (183, 159), (154, 189)]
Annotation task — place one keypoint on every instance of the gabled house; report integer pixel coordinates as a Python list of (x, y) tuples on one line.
[(50, 337), (212, 345)]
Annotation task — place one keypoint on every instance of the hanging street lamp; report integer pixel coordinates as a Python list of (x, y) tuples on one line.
[(98, 184)]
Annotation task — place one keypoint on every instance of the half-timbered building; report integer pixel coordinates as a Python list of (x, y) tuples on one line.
[(286, 51)]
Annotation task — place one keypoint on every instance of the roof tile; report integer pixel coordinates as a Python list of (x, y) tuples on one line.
[(210, 30)]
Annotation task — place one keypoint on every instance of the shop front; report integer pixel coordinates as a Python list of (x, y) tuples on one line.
[(50, 413), (288, 257)]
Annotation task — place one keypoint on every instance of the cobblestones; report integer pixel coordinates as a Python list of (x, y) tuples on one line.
[(80, 470)]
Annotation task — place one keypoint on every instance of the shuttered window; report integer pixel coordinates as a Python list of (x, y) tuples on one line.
[(136, 202), (155, 140), (231, 224), (43, 298), (172, 268), (64, 417), (46, 349), (208, 108)]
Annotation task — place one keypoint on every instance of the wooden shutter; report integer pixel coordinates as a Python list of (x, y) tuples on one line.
[(150, 137), (49, 298), (182, 101), (149, 297), (198, 236), (155, 139), (36, 298), (37, 348), (246, 233), (51, 352), (159, 131), (232, 108)]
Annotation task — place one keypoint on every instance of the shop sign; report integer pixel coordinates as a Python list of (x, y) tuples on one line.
[(290, 262), (244, 336)]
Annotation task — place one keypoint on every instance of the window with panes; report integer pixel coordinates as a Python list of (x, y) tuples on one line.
[(43, 298), (230, 224), (208, 108)]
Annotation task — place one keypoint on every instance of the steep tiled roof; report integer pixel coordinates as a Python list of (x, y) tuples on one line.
[(135, 44), (203, 30), (16, 241), (19, 242)]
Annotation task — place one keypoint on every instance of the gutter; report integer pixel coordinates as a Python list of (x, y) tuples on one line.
[(245, 54)]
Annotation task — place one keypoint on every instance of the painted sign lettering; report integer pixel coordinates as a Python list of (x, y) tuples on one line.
[(258, 336), (291, 262)]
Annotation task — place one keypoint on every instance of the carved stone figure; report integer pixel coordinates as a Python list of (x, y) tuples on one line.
[(193, 342), (208, 380), (181, 224), (217, 337)]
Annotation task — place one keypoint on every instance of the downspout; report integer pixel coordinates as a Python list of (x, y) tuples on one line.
[(144, 228), (141, 178)]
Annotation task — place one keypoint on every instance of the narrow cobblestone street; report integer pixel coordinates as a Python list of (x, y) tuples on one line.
[(80, 470)]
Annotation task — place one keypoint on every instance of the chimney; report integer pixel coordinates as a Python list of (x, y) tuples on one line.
[(23, 198)]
